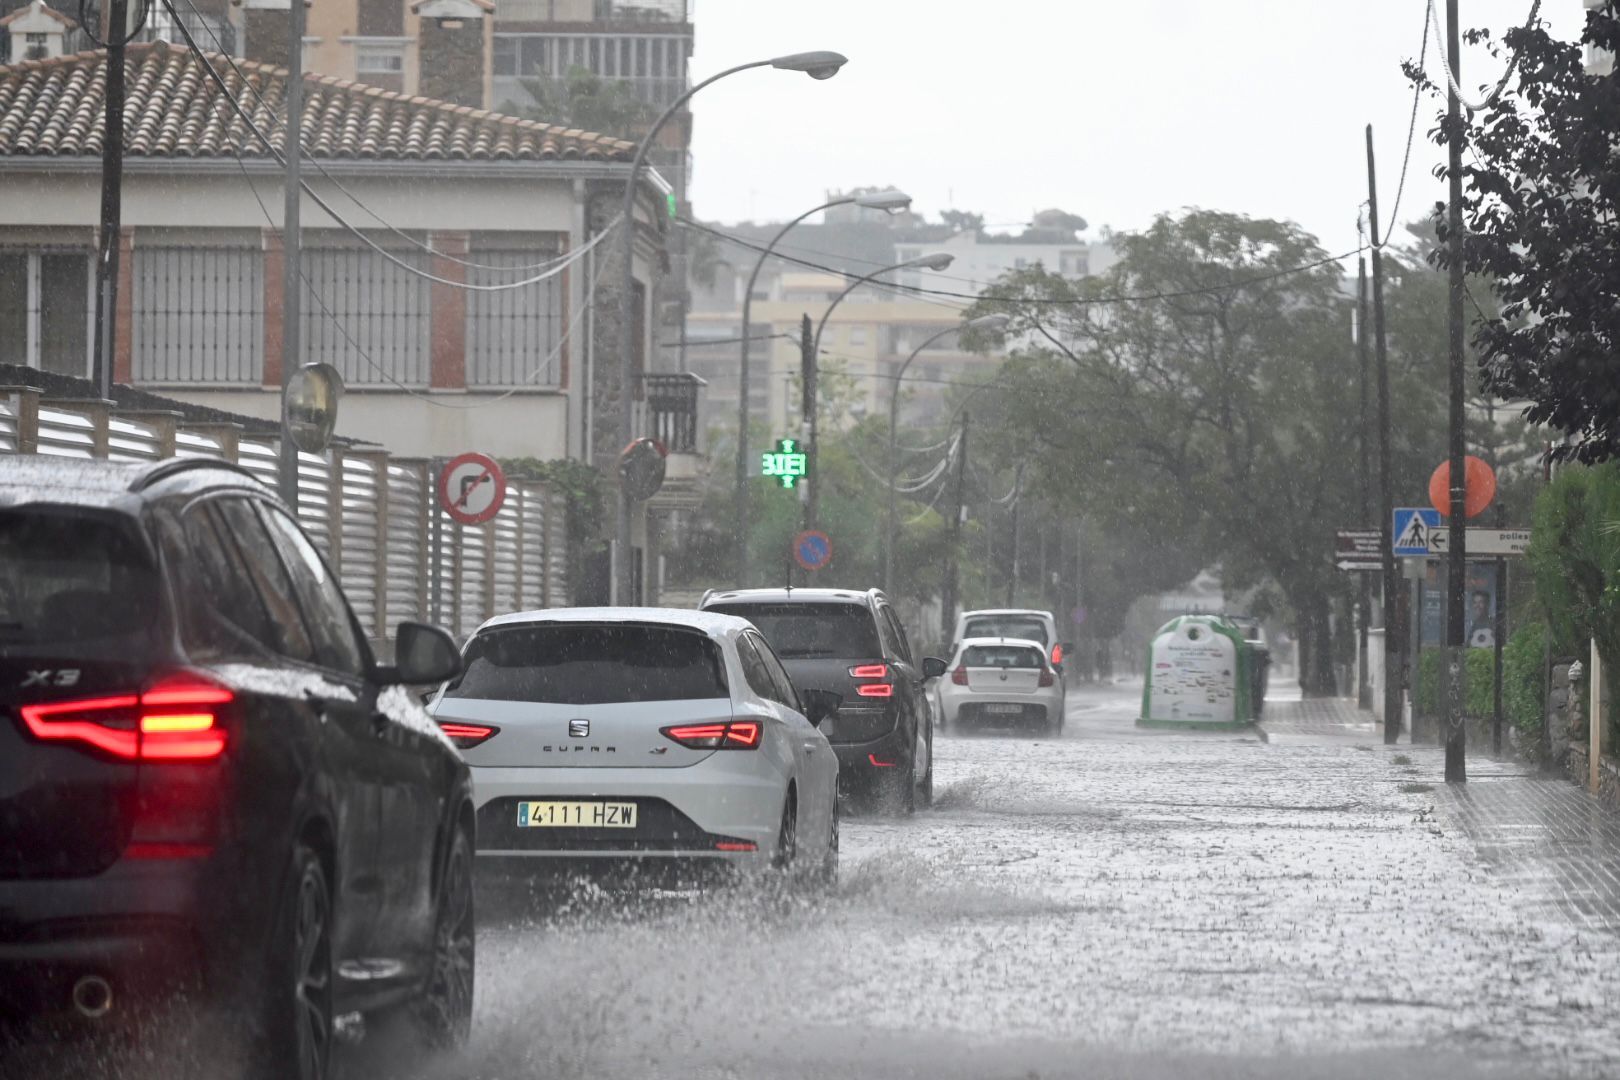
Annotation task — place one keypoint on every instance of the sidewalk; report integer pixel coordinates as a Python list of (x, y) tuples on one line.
[(1542, 838)]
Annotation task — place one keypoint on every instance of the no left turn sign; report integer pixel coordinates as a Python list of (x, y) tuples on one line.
[(472, 488)]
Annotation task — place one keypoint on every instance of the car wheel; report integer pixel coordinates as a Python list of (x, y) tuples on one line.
[(897, 794), (827, 873), (925, 791), (445, 1013), (297, 1036), (787, 839)]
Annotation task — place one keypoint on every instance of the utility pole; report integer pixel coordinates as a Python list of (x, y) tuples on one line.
[(1364, 599), (292, 282), (112, 198), (810, 367), (947, 615), (1457, 558), (1018, 499), (1394, 613)]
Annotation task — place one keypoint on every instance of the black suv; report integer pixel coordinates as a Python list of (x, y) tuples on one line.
[(208, 785), (853, 643)]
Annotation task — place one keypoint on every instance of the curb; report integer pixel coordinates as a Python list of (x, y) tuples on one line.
[(1194, 725)]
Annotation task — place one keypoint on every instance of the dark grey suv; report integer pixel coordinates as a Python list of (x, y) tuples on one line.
[(853, 643), (208, 784)]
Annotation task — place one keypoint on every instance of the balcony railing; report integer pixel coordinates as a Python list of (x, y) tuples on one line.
[(672, 410)]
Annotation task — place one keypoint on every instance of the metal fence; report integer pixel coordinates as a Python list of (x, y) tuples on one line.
[(199, 314), (376, 517)]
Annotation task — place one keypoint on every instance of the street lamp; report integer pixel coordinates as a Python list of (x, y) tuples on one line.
[(817, 65), (937, 260), (983, 322), (890, 200)]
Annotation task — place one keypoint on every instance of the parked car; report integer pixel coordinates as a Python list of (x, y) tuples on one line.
[(855, 644), (1002, 682), (207, 781), (638, 735)]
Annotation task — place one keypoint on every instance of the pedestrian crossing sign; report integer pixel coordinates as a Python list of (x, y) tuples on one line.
[(1412, 527)]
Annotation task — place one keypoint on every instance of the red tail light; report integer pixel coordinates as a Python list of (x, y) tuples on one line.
[(959, 677), (735, 845), (875, 760), (1057, 654), (466, 736), (175, 720), (1046, 676), (881, 690), (869, 671), (728, 735)]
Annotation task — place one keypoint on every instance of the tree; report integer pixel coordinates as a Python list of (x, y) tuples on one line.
[(1541, 212), (1218, 419), (583, 99), (962, 220)]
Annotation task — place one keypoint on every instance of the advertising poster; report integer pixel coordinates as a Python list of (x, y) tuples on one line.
[(1479, 625)]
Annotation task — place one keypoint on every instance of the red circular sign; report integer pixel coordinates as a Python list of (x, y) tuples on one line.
[(1479, 487), (472, 488), (812, 549)]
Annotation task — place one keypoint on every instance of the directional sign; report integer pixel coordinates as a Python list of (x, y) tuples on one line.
[(812, 549), (1355, 566), (787, 462), (1482, 541), (472, 488), (1358, 542), (1413, 524)]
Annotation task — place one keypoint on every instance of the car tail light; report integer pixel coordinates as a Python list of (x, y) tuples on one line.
[(735, 845), (466, 736), (877, 690), (959, 677), (177, 719), (880, 763), (727, 735), (869, 671), (1057, 654), (1046, 676)]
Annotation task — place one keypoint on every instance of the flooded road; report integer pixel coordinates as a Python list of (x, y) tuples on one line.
[(1114, 903)]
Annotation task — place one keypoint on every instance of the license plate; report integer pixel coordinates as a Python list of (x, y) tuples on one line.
[(576, 815), (1003, 710)]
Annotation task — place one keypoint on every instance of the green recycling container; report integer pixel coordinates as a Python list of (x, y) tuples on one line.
[(1201, 673)]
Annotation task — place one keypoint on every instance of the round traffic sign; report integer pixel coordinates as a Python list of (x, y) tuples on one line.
[(812, 549), (472, 488), (1479, 487)]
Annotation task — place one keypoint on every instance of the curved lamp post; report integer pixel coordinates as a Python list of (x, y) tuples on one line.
[(817, 65), (938, 260), (878, 200), (983, 322)]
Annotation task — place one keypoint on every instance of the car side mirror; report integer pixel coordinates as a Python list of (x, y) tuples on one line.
[(933, 667), (820, 705), (422, 654)]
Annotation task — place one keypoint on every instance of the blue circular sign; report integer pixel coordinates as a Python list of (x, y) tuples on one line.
[(812, 549)]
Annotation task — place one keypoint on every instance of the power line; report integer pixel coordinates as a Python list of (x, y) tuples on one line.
[(1501, 84), (315, 196), (1411, 131), (1177, 294), (276, 122)]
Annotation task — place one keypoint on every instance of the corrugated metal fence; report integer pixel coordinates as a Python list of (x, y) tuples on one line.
[(374, 516)]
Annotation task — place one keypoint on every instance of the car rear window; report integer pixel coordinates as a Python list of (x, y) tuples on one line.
[(805, 631), (1019, 626), (1002, 656), (74, 582), (581, 664)]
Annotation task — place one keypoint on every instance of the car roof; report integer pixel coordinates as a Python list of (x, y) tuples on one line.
[(708, 622), (121, 485), (790, 596), (1009, 611), (1025, 642)]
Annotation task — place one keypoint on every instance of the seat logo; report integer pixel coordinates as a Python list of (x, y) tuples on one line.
[(579, 729)]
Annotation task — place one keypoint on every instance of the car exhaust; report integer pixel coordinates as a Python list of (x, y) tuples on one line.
[(92, 997)]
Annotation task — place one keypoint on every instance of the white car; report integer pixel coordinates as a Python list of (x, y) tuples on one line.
[(637, 734), (1000, 682)]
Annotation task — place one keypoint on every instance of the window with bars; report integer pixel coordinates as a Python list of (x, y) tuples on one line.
[(199, 314), (372, 318), (46, 309), (513, 335)]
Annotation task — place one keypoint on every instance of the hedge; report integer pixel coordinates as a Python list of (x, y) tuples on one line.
[(1524, 686)]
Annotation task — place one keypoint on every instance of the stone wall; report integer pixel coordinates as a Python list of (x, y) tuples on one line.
[(452, 60)]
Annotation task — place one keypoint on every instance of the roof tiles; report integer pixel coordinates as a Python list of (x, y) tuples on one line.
[(173, 109)]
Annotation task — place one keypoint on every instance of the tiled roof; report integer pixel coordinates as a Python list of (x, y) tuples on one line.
[(173, 110), (37, 9)]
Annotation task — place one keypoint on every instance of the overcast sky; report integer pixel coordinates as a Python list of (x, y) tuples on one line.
[(1113, 109)]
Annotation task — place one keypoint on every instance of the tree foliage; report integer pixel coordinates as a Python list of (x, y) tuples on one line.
[(1541, 214), (585, 100)]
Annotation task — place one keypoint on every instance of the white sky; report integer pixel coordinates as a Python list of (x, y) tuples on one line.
[(1112, 109)]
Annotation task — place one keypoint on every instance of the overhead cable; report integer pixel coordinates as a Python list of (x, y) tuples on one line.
[(1451, 76), (1411, 131)]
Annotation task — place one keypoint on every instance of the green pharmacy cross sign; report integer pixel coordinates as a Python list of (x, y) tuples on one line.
[(786, 462)]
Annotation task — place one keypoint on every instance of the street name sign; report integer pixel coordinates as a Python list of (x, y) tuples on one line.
[(1361, 544), (1412, 527), (1482, 541), (1359, 566)]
